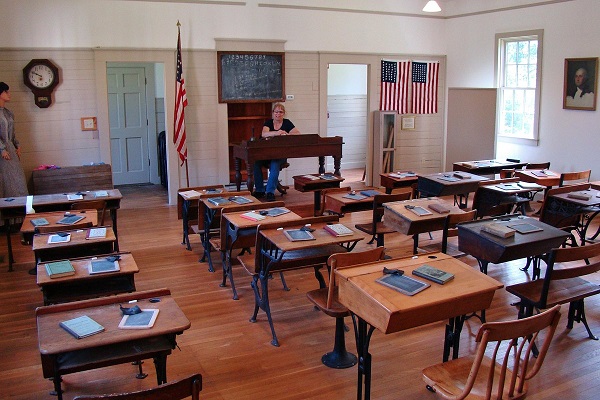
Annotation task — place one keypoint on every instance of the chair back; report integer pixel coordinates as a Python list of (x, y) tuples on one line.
[(176, 390), (580, 265), (503, 372), (450, 229), (99, 205), (543, 165), (571, 178), (345, 260)]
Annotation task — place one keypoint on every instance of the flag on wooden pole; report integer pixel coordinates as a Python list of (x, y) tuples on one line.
[(394, 86), (179, 138), (425, 87)]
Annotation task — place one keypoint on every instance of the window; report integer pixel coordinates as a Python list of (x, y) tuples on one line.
[(519, 62)]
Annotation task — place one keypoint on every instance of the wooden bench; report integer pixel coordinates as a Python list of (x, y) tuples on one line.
[(72, 179)]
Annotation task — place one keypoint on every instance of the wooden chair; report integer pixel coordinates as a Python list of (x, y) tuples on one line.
[(326, 300), (483, 377), (450, 230), (176, 390), (99, 205), (571, 178), (507, 173), (562, 285), (376, 227), (543, 165)]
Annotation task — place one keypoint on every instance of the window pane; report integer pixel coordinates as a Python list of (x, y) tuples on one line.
[(532, 76), (511, 53), (533, 49), (523, 76), (511, 76), (523, 52)]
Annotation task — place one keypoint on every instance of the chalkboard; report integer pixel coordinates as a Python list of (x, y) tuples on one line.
[(251, 77)]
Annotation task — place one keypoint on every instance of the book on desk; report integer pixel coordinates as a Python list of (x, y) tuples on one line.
[(240, 200), (433, 274), (296, 235), (338, 230), (81, 327), (354, 196), (403, 284), (58, 269), (370, 192), (498, 229)]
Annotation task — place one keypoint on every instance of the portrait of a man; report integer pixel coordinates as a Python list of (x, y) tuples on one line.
[(580, 83)]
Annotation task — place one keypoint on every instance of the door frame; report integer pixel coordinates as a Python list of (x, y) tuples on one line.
[(167, 58), (371, 61), (152, 136)]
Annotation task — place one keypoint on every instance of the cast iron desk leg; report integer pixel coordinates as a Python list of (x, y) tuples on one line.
[(363, 332)]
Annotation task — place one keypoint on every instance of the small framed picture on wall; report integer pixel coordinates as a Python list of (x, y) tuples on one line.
[(408, 122), (580, 83)]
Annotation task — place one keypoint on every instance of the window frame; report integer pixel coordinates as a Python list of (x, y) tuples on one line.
[(501, 40)]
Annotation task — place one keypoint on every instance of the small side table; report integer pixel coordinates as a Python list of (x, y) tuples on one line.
[(315, 183)]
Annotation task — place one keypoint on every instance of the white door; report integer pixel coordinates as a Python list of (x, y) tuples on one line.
[(128, 125)]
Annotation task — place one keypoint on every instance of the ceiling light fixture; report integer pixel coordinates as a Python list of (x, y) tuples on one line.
[(432, 6)]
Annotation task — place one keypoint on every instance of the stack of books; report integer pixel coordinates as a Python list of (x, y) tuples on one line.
[(433, 274)]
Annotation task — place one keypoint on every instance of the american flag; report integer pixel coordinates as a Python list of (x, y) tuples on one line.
[(180, 103), (425, 87), (394, 86)]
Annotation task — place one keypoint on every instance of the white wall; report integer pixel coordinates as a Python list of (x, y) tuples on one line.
[(346, 79), (569, 139)]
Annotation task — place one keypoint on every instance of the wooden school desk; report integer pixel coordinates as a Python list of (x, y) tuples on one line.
[(441, 184), (28, 229), (316, 183), (275, 253), (375, 306), (239, 232), (393, 180), (339, 204), (486, 167), (84, 285), (62, 354), (14, 207), (78, 246), (397, 216)]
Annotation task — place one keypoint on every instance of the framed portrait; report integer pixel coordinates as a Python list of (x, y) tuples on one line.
[(580, 85)]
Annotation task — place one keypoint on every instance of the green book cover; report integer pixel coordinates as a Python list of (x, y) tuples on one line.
[(59, 268)]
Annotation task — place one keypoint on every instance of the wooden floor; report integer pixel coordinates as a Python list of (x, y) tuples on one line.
[(234, 356)]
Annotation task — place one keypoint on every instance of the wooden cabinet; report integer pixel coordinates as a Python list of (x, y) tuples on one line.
[(384, 143), (242, 118)]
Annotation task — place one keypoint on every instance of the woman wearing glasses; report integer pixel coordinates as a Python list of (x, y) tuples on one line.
[(277, 126)]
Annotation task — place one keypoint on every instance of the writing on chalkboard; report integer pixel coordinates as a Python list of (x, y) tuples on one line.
[(251, 77)]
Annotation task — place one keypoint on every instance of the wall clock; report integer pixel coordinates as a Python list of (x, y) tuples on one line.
[(41, 76)]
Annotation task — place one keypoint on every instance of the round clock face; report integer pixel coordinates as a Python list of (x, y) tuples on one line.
[(41, 76)]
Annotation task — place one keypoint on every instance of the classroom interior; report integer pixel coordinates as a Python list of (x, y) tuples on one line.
[(88, 40)]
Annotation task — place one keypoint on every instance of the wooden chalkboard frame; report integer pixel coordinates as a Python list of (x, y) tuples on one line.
[(241, 56)]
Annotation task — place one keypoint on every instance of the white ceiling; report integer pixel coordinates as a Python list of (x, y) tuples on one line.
[(450, 8)]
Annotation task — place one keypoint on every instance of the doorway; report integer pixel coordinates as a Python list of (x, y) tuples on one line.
[(132, 120), (347, 111)]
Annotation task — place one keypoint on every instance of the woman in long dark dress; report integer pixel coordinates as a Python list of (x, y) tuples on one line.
[(12, 177)]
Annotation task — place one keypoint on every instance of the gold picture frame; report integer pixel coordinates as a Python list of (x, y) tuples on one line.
[(580, 84)]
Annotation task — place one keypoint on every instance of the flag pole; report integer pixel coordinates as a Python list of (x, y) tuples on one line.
[(179, 134)]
